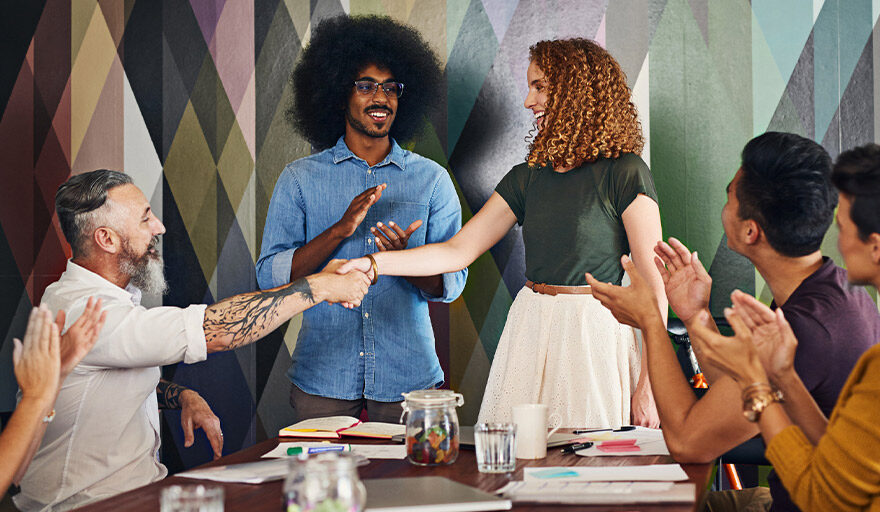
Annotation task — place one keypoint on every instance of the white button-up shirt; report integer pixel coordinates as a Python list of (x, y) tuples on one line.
[(104, 439)]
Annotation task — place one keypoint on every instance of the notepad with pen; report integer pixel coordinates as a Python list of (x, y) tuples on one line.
[(334, 427)]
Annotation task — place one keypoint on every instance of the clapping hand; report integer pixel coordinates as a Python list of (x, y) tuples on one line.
[(79, 339), (686, 281), (734, 355), (36, 360), (357, 210), (634, 305), (391, 237), (772, 337)]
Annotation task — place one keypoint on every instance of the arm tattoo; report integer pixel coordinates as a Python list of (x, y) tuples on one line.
[(168, 394), (250, 316)]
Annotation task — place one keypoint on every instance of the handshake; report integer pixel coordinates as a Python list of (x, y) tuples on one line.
[(343, 282)]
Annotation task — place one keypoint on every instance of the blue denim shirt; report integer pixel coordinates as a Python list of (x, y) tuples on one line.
[(386, 346)]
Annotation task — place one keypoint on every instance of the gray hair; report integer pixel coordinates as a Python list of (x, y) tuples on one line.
[(81, 203)]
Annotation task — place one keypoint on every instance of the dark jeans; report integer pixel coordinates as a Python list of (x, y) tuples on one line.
[(753, 499), (307, 406)]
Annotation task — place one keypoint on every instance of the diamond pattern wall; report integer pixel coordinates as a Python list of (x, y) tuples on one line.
[(188, 97)]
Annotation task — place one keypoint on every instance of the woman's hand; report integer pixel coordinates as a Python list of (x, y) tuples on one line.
[(79, 339), (643, 410), (36, 360), (634, 305)]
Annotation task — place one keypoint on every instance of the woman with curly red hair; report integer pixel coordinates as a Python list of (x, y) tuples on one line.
[(583, 197)]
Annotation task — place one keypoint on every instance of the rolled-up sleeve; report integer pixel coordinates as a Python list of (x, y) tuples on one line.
[(284, 233), (137, 337), (444, 221)]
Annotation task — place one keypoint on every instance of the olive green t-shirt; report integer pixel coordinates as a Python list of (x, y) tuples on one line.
[(571, 222)]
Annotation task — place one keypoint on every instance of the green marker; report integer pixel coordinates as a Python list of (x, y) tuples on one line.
[(294, 450)]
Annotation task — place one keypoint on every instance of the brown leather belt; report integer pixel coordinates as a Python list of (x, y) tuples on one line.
[(550, 289)]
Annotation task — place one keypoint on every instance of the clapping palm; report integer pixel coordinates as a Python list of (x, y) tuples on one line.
[(772, 337), (686, 281)]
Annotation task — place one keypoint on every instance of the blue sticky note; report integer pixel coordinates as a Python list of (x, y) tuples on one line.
[(554, 473)]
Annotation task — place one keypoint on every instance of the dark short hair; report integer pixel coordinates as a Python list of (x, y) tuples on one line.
[(857, 174), (338, 49), (81, 195), (786, 188)]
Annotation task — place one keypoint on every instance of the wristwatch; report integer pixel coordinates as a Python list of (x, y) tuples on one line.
[(49, 417), (755, 404)]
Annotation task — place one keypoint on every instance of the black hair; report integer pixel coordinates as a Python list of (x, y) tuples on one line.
[(341, 46), (786, 188), (857, 174), (81, 195)]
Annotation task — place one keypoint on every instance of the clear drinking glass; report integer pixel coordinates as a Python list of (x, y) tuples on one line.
[(496, 447), (327, 482), (192, 498)]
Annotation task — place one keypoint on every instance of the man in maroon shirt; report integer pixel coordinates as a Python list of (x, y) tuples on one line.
[(779, 205)]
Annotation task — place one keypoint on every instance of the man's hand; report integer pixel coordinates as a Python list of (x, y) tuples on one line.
[(356, 265), (735, 355), (772, 337), (634, 305), (348, 289), (687, 282), (358, 208), (391, 237), (81, 336), (36, 360), (195, 413)]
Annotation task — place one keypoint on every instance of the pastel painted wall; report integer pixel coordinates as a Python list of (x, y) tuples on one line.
[(188, 97)]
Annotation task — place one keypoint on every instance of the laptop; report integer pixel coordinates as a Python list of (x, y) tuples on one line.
[(466, 439), (428, 494)]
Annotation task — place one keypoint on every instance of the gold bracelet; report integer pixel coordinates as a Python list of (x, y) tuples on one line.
[(375, 268), (757, 401)]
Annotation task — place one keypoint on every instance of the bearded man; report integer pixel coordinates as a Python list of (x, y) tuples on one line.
[(104, 439)]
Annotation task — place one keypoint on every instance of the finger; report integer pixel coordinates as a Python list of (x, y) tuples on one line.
[(401, 234), (45, 330), (388, 237), (61, 319), (664, 272), (54, 340), (379, 189), (381, 245), (16, 351), (388, 232), (186, 423), (699, 268), (667, 254), (215, 437), (739, 326), (30, 330), (630, 268), (412, 227), (681, 252), (785, 327), (743, 312), (756, 308)]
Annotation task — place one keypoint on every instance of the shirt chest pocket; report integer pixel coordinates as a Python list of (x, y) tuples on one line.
[(403, 214)]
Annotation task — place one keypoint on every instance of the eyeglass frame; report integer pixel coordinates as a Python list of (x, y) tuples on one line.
[(377, 85)]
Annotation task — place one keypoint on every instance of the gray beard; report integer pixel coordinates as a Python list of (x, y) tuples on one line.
[(146, 273)]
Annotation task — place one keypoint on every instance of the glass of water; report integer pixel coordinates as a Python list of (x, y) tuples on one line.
[(192, 498), (496, 447)]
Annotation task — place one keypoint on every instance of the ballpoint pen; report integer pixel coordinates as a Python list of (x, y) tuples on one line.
[(625, 428), (577, 446)]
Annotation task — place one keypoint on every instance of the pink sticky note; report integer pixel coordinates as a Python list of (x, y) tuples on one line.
[(619, 448), (618, 443)]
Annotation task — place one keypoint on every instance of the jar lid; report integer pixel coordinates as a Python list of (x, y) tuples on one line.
[(432, 398)]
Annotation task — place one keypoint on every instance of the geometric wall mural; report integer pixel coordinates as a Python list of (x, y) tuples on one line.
[(188, 97)]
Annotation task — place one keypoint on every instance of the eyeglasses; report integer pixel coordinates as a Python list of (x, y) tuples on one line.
[(391, 89)]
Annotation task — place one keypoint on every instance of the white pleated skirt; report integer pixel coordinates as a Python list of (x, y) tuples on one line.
[(566, 351)]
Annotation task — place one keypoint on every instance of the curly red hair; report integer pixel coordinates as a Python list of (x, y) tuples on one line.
[(589, 111)]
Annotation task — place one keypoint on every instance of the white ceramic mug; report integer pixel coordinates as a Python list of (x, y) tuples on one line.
[(531, 430)]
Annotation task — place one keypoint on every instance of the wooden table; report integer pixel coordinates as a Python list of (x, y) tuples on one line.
[(267, 497)]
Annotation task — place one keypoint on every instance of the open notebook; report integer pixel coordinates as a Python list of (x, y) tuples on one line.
[(334, 427)]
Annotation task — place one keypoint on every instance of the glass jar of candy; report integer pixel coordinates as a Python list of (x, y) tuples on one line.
[(327, 482), (431, 426)]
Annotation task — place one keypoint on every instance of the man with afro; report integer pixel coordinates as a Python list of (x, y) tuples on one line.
[(362, 86)]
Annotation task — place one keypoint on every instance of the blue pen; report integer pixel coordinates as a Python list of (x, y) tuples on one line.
[(322, 449)]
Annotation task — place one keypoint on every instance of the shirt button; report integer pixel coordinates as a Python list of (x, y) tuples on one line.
[(362, 354), (369, 171), (369, 240), (366, 315)]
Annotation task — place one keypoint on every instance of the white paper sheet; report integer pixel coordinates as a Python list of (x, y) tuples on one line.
[(247, 473), (649, 473), (650, 440), (370, 451), (584, 493)]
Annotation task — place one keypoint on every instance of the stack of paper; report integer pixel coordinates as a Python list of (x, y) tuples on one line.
[(247, 473), (370, 451), (641, 441)]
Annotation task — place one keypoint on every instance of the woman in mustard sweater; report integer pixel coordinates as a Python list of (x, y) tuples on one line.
[(826, 464)]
